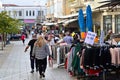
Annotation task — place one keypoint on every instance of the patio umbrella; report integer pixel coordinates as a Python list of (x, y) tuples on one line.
[(89, 22), (81, 24), (81, 21)]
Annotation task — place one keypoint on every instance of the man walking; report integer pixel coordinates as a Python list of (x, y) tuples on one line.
[(32, 59)]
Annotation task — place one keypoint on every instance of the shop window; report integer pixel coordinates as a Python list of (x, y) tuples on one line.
[(107, 23), (117, 24)]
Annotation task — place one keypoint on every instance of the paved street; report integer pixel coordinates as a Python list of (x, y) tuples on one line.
[(14, 65)]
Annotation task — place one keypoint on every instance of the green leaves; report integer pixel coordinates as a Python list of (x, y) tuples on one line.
[(8, 24)]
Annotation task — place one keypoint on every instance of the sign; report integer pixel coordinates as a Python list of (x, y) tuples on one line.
[(102, 38), (90, 38)]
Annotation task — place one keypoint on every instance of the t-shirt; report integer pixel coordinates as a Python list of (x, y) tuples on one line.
[(68, 39), (31, 44)]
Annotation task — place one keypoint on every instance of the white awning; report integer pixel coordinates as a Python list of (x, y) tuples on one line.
[(69, 21), (50, 24), (68, 16), (62, 21)]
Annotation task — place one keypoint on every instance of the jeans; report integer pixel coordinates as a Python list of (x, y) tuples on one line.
[(34, 62), (42, 65)]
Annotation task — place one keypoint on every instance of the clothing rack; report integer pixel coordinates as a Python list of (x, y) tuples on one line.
[(59, 52), (106, 69)]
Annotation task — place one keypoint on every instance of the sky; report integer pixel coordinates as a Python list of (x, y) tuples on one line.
[(24, 2)]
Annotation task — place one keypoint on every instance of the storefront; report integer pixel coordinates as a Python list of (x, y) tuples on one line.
[(111, 21)]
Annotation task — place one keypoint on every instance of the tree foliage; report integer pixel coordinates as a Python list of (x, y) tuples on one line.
[(8, 24)]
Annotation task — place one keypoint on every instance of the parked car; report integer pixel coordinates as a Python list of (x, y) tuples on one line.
[(15, 37)]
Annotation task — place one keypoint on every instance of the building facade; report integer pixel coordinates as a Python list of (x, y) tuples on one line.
[(103, 19), (29, 15)]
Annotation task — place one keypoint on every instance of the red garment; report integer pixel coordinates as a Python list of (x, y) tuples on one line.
[(93, 72), (66, 62), (23, 37), (50, 61)]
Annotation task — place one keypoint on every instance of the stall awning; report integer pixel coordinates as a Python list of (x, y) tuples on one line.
[(69, 21), (68, 16), (50, 24), (62, 21)]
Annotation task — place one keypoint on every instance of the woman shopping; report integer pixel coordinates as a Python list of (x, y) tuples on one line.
[(41, 51)]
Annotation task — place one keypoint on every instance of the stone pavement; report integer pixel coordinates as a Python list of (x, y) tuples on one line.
[(15, 65)]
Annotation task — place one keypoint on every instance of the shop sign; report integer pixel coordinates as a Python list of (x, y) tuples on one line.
[(90, 38)]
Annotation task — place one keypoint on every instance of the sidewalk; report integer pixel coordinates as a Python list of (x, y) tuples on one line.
[(15, 65)]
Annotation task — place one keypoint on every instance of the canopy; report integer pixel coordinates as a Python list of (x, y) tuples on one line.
[(81, 20), (89, 22)]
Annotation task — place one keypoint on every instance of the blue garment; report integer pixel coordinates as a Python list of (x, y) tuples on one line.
[(68, 39)]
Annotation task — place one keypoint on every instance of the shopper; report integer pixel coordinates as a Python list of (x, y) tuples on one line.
[(66, 39), (23, 38), (108, 36), (41, 51), (32, 59)]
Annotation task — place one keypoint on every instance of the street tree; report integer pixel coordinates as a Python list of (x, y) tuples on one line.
[(8, 25)]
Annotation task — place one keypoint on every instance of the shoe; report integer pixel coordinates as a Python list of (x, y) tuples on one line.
[(40, 76), (32, 71), (43, 75)]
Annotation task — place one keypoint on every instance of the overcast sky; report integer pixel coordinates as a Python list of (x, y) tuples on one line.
[(24, 2)]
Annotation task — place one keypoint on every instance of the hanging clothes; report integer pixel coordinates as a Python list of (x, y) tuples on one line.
[(76, 59)]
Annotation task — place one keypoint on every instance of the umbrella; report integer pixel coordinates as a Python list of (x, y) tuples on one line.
[(89, 22), (81, 21)]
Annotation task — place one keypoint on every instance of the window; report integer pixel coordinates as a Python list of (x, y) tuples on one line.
[(39, 13), (33, 13), (26, 13), (107, 23), (14, 13), (29, 13), (117, 23), (20, 13), (9, 12)]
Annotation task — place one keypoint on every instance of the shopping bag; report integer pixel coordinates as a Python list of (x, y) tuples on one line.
[(50, 62)]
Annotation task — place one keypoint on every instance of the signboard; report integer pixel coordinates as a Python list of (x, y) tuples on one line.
[(102, 38), (90, 38)]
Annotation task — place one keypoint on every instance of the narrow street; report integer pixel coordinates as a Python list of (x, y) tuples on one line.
[(15, 65)]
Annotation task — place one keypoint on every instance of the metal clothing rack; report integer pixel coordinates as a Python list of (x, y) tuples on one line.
[(64, 58)]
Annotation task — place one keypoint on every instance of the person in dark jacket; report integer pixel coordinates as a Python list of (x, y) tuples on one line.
[(32, 59)]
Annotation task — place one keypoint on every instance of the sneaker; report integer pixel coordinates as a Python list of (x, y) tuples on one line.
[(32, 71), (43, 75), (40, 76)]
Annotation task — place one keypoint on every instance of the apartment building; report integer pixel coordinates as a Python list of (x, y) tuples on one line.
[(29, 15), (103, 18)]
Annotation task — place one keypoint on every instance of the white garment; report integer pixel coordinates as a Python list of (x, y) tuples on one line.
[(58, 55)]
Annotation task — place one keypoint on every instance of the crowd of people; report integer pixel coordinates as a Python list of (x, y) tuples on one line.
[(39, 47)]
